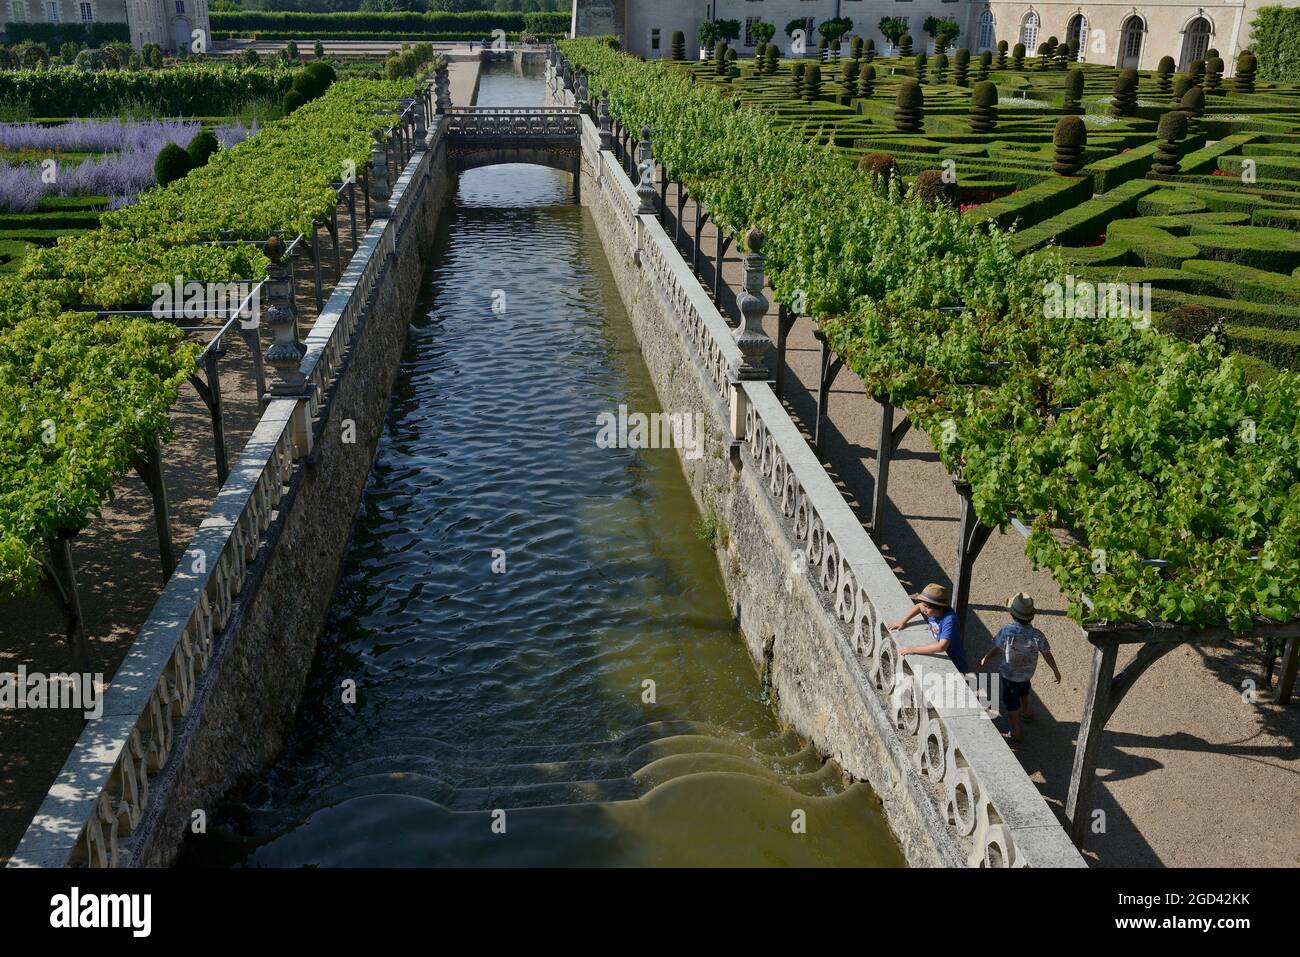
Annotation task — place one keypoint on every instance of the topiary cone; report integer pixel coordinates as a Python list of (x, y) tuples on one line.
[(1124, 102), (1073, 93), (772, 59), (1068, 142), (905, 45), (984, 107), (909, 108), (1244, 79), (812, 83), (918, 65), (679, 45), (1193, 104), (1169, 137), (869, 50), (1214, 75), (961, 67), (800, 69), (1164, 73), (940, 67), (867, 81), (986, 64), (1002, 54), (849, 74), (1018, 57)]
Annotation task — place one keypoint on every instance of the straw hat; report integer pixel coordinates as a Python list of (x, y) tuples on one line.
[(936, 595), (1022, 607)]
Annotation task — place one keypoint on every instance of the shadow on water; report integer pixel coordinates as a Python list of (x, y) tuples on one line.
[(546, 668)]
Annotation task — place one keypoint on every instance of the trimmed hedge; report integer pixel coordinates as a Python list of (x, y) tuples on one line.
[(1110, 172), (1273, 40), (1037, 203), (326, 25), (1275, 346), (1247, 283), (188, 90), (1087, 219), (54, 35)]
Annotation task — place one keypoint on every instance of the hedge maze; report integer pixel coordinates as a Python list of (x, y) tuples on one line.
[(1188, 183)]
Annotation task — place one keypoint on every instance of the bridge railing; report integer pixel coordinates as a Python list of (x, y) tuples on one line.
[(513, 121)]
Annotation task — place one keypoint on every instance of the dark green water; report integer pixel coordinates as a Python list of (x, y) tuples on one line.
[(503, 716)]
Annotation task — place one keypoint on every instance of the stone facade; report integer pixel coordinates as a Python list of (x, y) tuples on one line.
[(1129, 35), (168, 23)]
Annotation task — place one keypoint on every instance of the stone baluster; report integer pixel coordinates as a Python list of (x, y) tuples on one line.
[(421, 130), (645, 190), (752, 341), (380, 191), (285, 353), (606, 129), (442, 83), (581, 92)]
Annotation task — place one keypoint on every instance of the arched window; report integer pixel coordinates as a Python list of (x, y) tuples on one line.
[(1029, 32), (987, 40), (1078, 30), (1130, 44), (1196, 40)]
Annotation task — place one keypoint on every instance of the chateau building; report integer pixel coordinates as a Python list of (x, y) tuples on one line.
[(1119, 34), (168, 23)]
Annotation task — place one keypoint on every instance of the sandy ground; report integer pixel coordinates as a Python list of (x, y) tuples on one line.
[(1189, 772), (118, 568)]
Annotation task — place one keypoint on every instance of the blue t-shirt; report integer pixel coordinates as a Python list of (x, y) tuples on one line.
[(1021, 645), (944, 628)]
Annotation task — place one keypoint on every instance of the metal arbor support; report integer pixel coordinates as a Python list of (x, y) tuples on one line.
[(701, 220), (972, 536), (830, 367), (1290, 661), (150, 471), (681, 207), (210, 393), (784, 323), (890, 437), (61, 581)]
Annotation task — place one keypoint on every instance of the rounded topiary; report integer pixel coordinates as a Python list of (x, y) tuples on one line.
[(292, 100), (202, 147), (905, 45), (679, 45), (812, 83), (1210, 54), (1244, 79), (1214, 75), (1070, 54), (909, 108), (984, 107), (1193, 104), (172, 164), (940, 68), (932, 189), (1169, 137), (1182, 83), (961, 67), (1018, 57), (986, 64), (1068, 142), (319, 50), (800, 70), (869, 50), (849, 74), (1164, 73), (1124, 101), (855, 48), (867, 81), (1052, 44), (881, 168), (1044, 56), (918, 67), (1073, 93), (1191, 323), (772, 59), (1002, 54), (1197, 70)]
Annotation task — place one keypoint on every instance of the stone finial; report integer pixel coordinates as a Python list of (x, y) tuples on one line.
[(442, 87), (752, 341), (580, 91), (645, 190), (285, 353), (421, 129), (606, 127), (380, 191)]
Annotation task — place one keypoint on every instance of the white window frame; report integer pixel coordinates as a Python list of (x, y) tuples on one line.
[(1029, 28), (86, 10), (988, 31), (52, 12)]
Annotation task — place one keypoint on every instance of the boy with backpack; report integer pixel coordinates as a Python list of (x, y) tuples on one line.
[(1020, 644)]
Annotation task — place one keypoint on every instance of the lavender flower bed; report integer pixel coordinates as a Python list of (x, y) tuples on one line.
[(124, 170)]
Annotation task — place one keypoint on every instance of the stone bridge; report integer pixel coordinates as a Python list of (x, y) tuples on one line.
[(488, 135)]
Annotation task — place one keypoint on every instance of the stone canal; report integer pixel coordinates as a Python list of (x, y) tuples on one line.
[(546, 669)]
